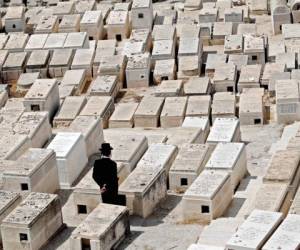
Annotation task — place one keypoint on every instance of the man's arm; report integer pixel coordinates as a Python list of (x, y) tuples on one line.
[(97, 178)]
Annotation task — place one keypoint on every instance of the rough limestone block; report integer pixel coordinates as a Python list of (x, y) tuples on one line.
[(123, 115), (169, 88), (32, 223), (71, 156), (232, 158), (197, 86), (76, 78), (146, 186), (198, 106), (198, 122), (208, 197), (287, 235), (173, 112), (105, 227), (188, 164), (254, 232)]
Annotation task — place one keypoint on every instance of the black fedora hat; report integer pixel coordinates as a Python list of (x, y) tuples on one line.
[(105, 147)]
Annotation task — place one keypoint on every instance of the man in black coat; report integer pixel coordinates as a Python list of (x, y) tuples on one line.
[(106, 176)]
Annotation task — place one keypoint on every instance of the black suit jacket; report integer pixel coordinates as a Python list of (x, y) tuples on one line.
[(105, 172)]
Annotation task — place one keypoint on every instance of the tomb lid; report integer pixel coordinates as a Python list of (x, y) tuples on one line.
[(91, 17), (41, 88), (223, 130), (7, 198), (36, 41), (117, 18)]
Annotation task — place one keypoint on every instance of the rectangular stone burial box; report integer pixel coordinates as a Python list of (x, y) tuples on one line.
[(188, 164), (287, 101), (220, 31), (146, 186), (223, 106), (208, 197), (76, 78), (284, 168), (9, 200), (251, 108), (255, 231), (14, 66), (250, 77), (83, 59), (164, 32), (198, 106), (36, 126), (16, 42), (91, 128), (71, 156), (105, 85), (69, 23), (238, 60), (128, 149), (43, 96), (47, 24), (198, 122), (32, 223), (38, 62), (60, 62), (287, 235), (142, 14), (224, 130), (117, 24), (104, 228), (188, 66), (138, 70), (122, 116), (197, 86), (214, 61), (163, 50), (15, 19), (269, 70), (229, 157), (164, 70), (34, 171), (77, 40), (113, 65), (92, 23), (233, 44), (101, 106), (68, 111), (148, 112), (254, 47), (173, 112), (55, 41), (225, 77), (169, 88), (36, 42)]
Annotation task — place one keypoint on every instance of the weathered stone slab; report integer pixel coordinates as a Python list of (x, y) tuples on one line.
[(198, 106), (197, 86), (105, 85), (83, 59), (169, 88), (60, 62), (123, 115), (198, 122)]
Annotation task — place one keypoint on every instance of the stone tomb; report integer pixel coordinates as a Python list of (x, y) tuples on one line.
[(122, 117), (68, 111), (214, 61), (55, 41), (163, 50), (284, 168), (43, 96), (76, 78), (83, 59), (173, 112), (8, 202), (77, 40), (148, 112), (224, 130), (104, 228), (34, 171), (38, 62), (91, 128), (250, 77), (197, 86), (188, 66), (142, 14), (105, 86), (164, 70), (169, 88), (32, 223), (287, 235), (224, 105), (69, 23), (15, 19), (208, 196), (60, 62), (36, 42), (101, 106), (128, 149), (47, 24), (92, 23), (188, 164), (16, 42), (14, 66), (36, 126), (117, 25), (198, 122), (225, 78), (198, 106), (146, 186), (254, 232), (71, 156), (229, 157)]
